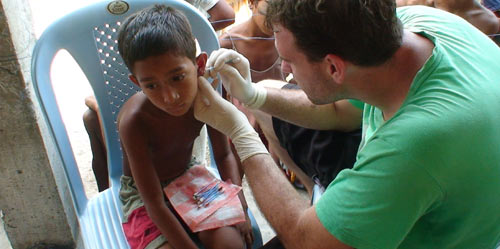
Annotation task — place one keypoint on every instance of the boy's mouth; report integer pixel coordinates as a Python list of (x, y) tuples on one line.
[(175, 108)]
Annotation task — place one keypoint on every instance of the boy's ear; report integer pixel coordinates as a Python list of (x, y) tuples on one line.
[(134, 79), (201, 62), (336, 67)]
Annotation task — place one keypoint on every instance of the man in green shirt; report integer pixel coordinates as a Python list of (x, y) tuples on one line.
[(428, 168)]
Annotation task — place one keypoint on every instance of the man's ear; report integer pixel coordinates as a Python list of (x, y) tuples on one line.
[(336, 67), (201, 62), (134, 79)]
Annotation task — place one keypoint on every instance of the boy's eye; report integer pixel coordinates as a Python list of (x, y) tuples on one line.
[(179, 77), (151, 85)]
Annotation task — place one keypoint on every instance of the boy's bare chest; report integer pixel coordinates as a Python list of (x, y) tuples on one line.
[(171, 147)]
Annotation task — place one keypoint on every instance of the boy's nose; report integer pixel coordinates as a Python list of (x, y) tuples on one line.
[(170, 95)]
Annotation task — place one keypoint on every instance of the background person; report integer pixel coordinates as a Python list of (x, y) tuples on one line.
[(471, 10)]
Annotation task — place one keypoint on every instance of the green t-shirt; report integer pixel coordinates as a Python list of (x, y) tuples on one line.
[(429, 177)]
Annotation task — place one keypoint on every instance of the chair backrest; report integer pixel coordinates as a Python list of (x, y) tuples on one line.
[(90, 36)]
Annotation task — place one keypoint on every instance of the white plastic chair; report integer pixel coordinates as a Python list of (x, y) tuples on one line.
[(89, 35)]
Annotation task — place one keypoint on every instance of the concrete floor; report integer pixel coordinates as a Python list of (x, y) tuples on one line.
[(4, 241)]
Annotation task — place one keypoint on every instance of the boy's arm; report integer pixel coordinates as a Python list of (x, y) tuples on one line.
[(136, 148), (228, 169)]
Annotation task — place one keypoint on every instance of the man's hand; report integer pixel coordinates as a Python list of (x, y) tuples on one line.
[(234, 70), (212, 109), (246, 232)]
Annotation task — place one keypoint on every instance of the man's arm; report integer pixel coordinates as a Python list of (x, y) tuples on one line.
[(228, 169), (221, 15), (292, 105), (224, 157), (295, 222), (290, 215)]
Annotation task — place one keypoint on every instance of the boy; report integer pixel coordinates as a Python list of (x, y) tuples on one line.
[(157, 130), (220, 15)]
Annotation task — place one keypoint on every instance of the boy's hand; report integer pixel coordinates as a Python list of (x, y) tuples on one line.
[(234, 70), (212, 109), (245, 229)]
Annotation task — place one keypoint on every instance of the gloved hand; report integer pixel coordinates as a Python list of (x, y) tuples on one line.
[(212, 109), (234, 70)]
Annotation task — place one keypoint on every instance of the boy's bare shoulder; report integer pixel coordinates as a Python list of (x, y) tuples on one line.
[(134, 113), (138, 113)]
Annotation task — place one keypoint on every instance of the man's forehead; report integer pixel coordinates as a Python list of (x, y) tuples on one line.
[(277, 27), (285, 44), (283, 35)]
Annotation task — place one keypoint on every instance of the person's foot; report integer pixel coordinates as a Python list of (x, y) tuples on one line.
[(292, 177)]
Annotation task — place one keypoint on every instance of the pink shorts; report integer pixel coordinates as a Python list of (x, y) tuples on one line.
[(140, 230)]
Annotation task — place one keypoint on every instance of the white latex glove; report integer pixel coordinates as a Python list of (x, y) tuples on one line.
[(234, 70), (220, 114)]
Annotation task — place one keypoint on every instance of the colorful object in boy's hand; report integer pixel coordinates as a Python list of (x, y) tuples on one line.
[(220, 205)]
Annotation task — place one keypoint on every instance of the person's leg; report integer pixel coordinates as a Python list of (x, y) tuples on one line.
[(320, 154), (99, 156), (266, 125), (165, 246), (265, 122), (222, 238)]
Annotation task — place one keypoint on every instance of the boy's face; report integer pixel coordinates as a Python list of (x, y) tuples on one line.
[(169, 81), (259, 12)]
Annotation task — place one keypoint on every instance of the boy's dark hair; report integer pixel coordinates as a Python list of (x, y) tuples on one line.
[(155, 31), (363, 32)]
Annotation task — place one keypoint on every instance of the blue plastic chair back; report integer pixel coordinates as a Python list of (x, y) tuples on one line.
[(90, 36)]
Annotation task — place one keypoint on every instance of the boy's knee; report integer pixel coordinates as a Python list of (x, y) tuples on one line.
[(235, 243), (223, 238)]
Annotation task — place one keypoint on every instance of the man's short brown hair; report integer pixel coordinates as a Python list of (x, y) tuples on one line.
[(363, 32)]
